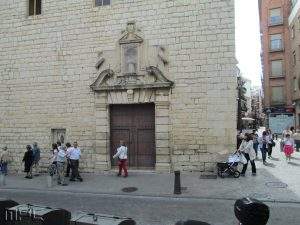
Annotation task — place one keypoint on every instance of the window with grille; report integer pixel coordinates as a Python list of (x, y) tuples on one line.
[(277, 95), (276, 68), (276, 42), (275, 17), (102, 2), (35, 7)]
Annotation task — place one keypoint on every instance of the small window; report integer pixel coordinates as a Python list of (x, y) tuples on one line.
[(294, 58), (58, 135), (102, 2), (277, 95), (276, 68), (276, 42), (295, 83), (275, 17), (35, 7)]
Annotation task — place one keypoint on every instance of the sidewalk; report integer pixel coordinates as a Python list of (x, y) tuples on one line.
[(269, 184)]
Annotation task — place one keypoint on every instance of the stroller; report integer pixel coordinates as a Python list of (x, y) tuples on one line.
[(229, 168)]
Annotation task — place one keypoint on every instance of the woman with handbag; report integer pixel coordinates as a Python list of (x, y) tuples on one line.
[(248, 151)]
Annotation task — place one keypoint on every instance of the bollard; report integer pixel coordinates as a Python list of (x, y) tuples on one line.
[(177, 184), (49, 181), (2, 179)]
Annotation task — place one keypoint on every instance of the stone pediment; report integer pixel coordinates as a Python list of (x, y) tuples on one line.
[(130, 36), (107, 81)]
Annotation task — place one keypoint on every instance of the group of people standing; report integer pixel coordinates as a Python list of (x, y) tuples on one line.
[(63, 159)]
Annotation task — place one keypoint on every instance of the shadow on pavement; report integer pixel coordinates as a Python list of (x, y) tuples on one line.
[(275, 159), (270, 165), (295, 158), (294, 164)]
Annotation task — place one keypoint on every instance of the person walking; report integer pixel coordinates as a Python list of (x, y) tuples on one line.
[(247, 149), (255, 141), (288, 147), (69, 147), (263, 142), (61, 161), (36, 157), (122, 156), (28, 161), (74, 155), (4, 160), (270, 144)]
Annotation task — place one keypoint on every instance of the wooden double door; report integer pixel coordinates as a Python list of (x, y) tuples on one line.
[(135, 125)]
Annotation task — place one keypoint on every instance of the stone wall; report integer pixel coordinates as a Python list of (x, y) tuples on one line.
[(47, 63)]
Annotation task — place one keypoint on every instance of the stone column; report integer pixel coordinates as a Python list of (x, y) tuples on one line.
[(163, 158)]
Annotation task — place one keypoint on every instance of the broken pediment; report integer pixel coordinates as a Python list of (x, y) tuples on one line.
[(107, 81), (130, 65)]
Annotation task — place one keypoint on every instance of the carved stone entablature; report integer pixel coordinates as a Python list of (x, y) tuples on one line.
[(130, 63)]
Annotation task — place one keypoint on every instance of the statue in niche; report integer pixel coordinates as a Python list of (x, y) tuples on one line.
[(130, 58)]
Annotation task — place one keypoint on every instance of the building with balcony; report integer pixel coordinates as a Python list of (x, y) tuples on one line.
[(294, 25), (275, 39)]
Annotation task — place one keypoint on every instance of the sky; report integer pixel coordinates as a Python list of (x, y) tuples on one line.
[(248, 39)]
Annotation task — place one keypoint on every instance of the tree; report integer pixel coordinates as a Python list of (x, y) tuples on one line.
[(242, 101)]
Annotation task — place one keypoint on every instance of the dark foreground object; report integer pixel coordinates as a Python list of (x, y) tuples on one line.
[(91, 219), (37, 215), (4, 205), (250, 211)]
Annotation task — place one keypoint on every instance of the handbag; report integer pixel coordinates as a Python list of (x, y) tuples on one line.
[(273, 144)]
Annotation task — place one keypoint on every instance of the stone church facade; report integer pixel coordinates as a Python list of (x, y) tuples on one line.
[(159, 75)]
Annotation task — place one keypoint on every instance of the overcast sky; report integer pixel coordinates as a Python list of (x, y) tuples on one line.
[(248, 39)]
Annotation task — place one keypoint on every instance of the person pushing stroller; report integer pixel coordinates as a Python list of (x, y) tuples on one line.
[(246, 148)]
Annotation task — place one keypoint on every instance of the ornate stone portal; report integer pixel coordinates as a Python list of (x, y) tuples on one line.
[(133, 73)]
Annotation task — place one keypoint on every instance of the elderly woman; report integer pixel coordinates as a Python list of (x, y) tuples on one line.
[(246, 148)]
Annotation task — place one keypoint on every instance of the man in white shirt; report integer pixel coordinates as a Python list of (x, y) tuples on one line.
[(74, 155), (122, 155)]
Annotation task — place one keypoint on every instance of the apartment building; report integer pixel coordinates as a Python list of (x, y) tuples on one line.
[(275, 38), (294, 24)]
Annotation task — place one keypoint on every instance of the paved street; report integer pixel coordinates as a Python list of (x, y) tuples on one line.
[(153, 210), (153, 203)]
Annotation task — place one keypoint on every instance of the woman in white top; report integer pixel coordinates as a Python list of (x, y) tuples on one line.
[(248, 151)]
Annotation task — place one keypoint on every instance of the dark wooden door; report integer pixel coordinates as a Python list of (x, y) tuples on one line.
[(135, 124)]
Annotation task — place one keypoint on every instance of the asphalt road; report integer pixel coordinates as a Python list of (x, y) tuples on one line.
[(152, 210)]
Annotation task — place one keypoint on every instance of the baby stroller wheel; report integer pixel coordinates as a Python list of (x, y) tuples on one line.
[(236, 174)]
